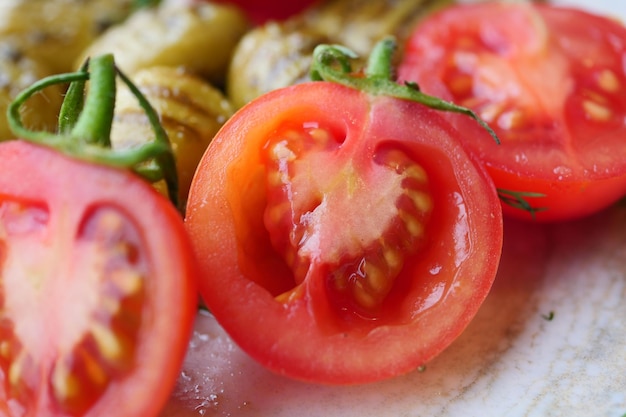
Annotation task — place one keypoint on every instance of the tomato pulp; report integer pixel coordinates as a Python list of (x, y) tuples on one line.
[(550, 81), (343, 237), (98, 288)]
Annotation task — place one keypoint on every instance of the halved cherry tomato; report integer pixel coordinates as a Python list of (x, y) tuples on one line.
[(97, 277), (343, 237), (98, 296), (550, 81)]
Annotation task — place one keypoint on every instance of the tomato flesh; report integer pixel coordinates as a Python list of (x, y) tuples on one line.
[(550, 81), (107, 296), (343, 238), (82, 284), (364, 252)]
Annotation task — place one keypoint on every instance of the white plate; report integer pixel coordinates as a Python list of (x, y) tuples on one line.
[(513, 360)]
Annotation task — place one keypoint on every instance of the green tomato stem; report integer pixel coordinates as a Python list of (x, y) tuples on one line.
[(379, 62), (96, 118), (73, 102), (518, 199), (85, 124), (13, 111), (140, 4), (332, 63), (165, 161)]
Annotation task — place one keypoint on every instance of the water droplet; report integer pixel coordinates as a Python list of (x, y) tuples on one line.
[(521, 158), (562, 171), (435, 269)]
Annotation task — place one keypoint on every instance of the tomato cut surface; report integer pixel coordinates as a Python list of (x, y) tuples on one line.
[(98, 288), (343, 238), (550, 81)]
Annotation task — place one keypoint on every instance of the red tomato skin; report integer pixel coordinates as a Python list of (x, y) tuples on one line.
[(241, 273), (72, 191), (575, 159), (262, 12)]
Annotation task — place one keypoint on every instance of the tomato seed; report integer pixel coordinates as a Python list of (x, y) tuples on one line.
[(490, 112), (608, 81), (597, 111), (321, 136), (392, 257), (376, 278), (421, 200), (366, 280), (596, 97), (511, 119), (461, 85), (94, 369), (15, 369), (411, 224), (108, 343), (127, 281), (65, 385), (363, 297)]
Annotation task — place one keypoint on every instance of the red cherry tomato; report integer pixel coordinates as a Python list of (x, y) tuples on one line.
[(343, 237), (98, 288), (550, 81), (262, 11)]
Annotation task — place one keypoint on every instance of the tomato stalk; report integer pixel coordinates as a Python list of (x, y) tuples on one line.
[(85, 122), (140, 4), (517, 199), (332, 63)]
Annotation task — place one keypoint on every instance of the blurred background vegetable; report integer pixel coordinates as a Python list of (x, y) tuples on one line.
[(199, 36), (57, 31), (18, 71), (278, 54), (191, 112)]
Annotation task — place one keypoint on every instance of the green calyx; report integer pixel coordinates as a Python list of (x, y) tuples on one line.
[(518, 200), (333, 63), (85, 122), (142, 4)]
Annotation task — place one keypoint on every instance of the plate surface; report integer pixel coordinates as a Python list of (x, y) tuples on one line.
[(550, 339)]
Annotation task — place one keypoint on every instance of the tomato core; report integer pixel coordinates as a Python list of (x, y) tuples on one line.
[(98, 315), (362, 253)]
